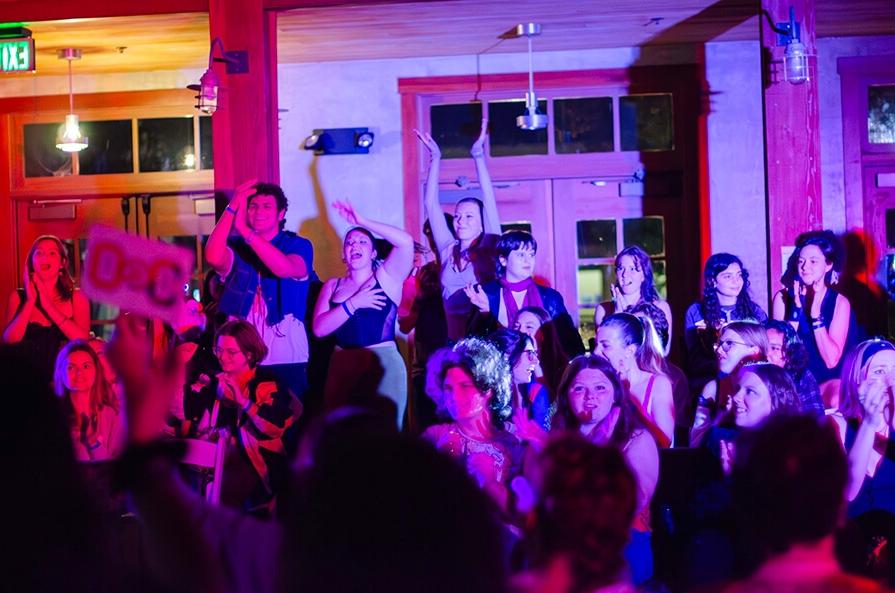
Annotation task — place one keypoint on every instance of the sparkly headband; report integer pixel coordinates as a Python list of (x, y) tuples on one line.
[(875, 347)]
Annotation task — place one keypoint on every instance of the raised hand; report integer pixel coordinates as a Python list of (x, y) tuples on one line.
[(477, 297), (148, 386), (30, 289), (346, 211), (239, 203), (873, 394), (429, 142), (478, 148), (367, 297), (620, 300), (728, 450)]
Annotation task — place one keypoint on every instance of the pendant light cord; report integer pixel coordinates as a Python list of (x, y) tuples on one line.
[(71, 96), (531, 75)]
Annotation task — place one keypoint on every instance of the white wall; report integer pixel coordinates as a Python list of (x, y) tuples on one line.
[(36, 85)]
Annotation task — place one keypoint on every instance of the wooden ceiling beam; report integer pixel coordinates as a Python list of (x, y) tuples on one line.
[(26, 11)]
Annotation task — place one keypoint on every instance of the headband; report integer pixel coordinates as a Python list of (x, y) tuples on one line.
[(875, 347)]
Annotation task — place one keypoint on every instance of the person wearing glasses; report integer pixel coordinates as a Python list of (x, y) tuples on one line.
[(259, 409), (740, 342), (529, 396)]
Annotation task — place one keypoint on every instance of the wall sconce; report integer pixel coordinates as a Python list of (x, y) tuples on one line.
[(795, 56), (209, 87), (339, 141), (69, 138), (531, 119)]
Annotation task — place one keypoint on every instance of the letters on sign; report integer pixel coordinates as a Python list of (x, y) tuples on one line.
[(136, 274)]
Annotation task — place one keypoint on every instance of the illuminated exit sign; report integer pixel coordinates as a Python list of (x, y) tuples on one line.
[(17, 55)]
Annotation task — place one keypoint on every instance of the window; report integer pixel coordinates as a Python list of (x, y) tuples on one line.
[(506, 138), (645, 122), (166, 144), (583, 125), (109, 148), (881, 114), (597, 238), (206, 145), (42, 158), (456, 127)]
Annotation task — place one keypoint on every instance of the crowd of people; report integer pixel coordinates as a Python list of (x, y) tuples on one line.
[(503, 454)]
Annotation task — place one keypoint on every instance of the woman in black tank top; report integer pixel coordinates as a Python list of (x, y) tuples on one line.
[(360, 309), (49, 311)]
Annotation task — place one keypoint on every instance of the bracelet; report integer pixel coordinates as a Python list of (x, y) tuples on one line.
[(818, 323), (794, 313), (345, 307), (230, 210)]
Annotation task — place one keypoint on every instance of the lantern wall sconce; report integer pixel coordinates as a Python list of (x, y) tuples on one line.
[(209, 87), (795, 56)]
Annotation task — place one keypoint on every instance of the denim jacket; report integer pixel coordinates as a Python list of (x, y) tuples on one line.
[(282, 296)]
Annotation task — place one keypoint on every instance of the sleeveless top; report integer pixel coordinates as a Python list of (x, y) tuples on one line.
[(816, 363), (42, 342), (367, 326), (878, 491)]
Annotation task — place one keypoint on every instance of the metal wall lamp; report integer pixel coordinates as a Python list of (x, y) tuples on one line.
[(209, 87)]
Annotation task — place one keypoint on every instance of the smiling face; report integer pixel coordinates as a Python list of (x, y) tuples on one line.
[(729, 282), (731, 349), (467, 221), (80, 372), (813, 266), (46, 260), (233, 360), (263, 216), (611, 346), (462, 397), (519, 264), (525, 366), (358, 250), (591, 396), (528, 323), (752, 401), (629, 275)]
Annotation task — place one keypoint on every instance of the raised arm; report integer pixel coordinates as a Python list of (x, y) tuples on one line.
[(217, 254), (440, 231), (18, 313), (874, 396), (831, 342), (399, 262), (491, 224), (282, 265), (76, 327), (328, 319)]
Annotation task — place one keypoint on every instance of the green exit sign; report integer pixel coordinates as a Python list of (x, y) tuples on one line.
[(17, 55)]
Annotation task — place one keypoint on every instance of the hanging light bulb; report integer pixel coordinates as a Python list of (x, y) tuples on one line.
[(531, 119), (69, 138)]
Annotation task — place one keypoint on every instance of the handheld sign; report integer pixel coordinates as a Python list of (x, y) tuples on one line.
[(136, 274)]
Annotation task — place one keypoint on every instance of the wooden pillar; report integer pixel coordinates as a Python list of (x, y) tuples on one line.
[(245, 124), (792, 137)]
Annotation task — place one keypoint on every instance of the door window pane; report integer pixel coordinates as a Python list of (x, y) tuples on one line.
[(645, 122), (890, 228), (647, 232), (109, 149), (206, 144), (583, 125), (42, 158), (596, 238), (166, 144), (594, 281), (660, 278), (455, 128), (586, 326), (506, 138), (881, 114)]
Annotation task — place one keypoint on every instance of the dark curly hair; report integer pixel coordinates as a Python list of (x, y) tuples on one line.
[(660, 322), (588, 498), (275, 191), (710, 307), (795, 355), (565, 418)]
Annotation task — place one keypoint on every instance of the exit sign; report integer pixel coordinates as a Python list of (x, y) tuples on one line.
[(17, 55)]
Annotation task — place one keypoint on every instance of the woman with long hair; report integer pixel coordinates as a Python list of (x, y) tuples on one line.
[(626, 342), (593, 402), (467, 254), (530, 397), (725, 298), (360, 310), (48, 311), (786, 350), (822, 317), (552, 358), (740, 342), (90, 401), (634, 284)]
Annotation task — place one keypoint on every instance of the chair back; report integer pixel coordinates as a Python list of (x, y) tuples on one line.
[(209, 455)]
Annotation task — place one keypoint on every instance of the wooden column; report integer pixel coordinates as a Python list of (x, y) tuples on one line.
[(245, 124), (792, 138)]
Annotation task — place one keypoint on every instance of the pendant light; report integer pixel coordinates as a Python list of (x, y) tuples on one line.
[(69, 138), (531, 119)]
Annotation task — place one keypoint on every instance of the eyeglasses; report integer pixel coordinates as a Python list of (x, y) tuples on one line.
[(230, 352), (532, 355), (726, 345)]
